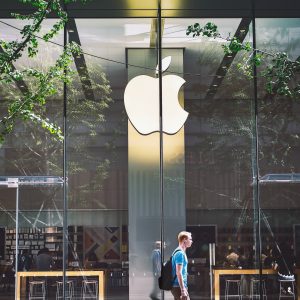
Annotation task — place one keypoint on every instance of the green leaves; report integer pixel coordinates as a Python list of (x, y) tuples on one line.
[(56, 28), (24, 108), (45, 123), (208, 30), (281, 73), (46, 83), (236, 46)]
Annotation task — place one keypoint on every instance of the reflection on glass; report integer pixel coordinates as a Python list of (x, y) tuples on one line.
[(114, 212), (218, 147), (279, 168)]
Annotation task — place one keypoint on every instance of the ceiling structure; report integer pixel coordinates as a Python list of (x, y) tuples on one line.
[(109, 38), (172, 8)]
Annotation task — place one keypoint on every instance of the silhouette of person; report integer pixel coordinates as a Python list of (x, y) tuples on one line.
[(156, 269), (269, 260), (44, 261), (232, 259), (24, 261), (24, 264)]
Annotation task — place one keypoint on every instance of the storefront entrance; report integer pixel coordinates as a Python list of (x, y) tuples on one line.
[(150, 150)]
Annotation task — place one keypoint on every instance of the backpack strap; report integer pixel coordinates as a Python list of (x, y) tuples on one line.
[(177, 250)]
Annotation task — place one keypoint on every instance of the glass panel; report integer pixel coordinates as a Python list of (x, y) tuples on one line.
[(29, 151), (209, 162), (208, 180), (40, 237), (279, 164), (7, 239), (144, 177), (113, 170)]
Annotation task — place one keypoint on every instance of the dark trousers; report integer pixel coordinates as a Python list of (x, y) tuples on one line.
[(176, 292), (155, 293)]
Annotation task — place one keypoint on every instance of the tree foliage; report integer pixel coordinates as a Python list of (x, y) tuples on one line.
[(39, 107), (280, 73), (27, 106)]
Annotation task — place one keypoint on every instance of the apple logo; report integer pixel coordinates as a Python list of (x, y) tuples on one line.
[(141, 99)]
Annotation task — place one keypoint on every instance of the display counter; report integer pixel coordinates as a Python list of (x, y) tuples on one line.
[(221, 272), (89, 273)]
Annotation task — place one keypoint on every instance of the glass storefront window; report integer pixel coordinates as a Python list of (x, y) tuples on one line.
[(212, 174), (228, 174), (278, 125)]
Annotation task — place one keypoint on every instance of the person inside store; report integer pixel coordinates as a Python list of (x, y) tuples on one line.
[(24, 261), (180, 265), (156, 270), (269, 260), (284, 264), (24, 264), (7, 279), (251, 257), (243, 257), (268, 263), (240, 260), (232, 262), (43, 260), (232, 259)]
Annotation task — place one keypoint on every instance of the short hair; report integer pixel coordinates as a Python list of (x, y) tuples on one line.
[(158, 244), (183, 235)]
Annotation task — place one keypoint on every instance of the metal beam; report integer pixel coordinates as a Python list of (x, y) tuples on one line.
[(21, 85), (80, 62), (227, 60), (154, 31)]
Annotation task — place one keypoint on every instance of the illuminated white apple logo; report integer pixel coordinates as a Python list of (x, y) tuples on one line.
[(141, 100)]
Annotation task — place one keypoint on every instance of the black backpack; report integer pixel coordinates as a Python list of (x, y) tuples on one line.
[(166, 279)]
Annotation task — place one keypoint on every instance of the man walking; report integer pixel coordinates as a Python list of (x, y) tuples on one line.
[(179, 266)]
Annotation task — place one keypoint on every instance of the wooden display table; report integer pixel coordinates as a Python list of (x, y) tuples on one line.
[(220, 272), (99, 274)]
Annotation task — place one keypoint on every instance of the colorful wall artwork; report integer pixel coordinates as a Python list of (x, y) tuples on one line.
[(102, 243)]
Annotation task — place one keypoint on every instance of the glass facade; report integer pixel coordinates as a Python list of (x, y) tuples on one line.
[(230, 175)]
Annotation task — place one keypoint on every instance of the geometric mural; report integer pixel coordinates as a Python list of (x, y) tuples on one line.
[(102, 243)]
